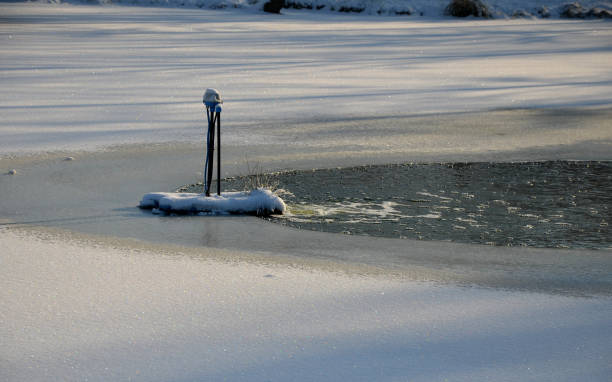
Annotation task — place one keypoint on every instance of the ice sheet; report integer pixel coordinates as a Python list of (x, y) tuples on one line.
[(83, 77), (77, 311)]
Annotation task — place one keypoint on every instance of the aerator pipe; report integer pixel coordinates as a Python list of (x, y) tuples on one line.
[(212, 100)]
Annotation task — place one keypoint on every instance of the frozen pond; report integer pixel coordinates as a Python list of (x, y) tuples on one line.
[(555, 204), (92, 287)]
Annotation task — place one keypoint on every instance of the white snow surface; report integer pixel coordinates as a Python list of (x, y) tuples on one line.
[(76, 311), (83, 77), (259, 202)]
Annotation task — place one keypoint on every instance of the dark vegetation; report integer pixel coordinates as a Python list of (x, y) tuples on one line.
[(302, 5), (455, 8), (577, 11), (465, 8), (274, 6)]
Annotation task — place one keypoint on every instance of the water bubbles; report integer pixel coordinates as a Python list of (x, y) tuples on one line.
[(543, 204)]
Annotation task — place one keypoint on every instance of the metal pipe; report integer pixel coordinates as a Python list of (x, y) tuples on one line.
[(212, 100), (210, 153), (208, 116), (218, 153)]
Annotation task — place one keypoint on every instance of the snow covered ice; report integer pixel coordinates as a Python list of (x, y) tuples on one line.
[(78, 311), (72, 90)]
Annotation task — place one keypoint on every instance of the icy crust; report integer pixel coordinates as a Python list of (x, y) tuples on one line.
[(259, 202), (435, 8)]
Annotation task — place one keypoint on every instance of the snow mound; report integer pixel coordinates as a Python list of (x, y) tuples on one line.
[(261, 202)]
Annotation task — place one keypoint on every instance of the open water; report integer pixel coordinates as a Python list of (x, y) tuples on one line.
[(558, 204)]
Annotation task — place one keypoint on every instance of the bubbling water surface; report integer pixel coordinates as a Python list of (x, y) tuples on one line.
[(558, 204)]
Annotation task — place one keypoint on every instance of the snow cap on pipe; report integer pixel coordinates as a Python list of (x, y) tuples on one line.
[(212, 97)]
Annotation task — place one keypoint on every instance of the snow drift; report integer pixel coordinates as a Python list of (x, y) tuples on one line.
[(261, 202)]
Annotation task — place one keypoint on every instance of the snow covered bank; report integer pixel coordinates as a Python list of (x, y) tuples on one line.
[(429, 8), (75, 311), (256, 202)]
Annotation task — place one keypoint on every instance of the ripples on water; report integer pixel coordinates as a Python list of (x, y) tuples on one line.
[(541, 204)]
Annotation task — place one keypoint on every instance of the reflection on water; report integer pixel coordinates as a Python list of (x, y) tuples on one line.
[(541, 204)]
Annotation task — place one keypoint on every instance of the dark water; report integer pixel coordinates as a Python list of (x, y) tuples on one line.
[(555, 204)]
